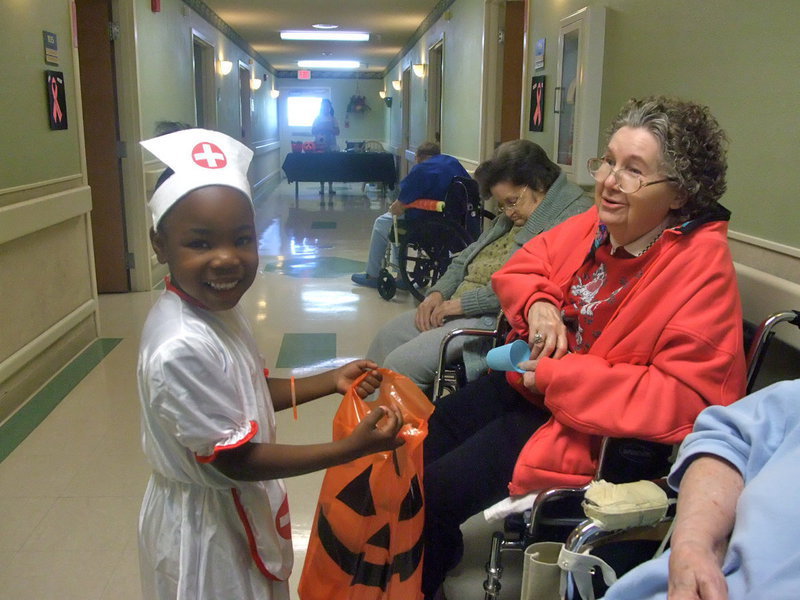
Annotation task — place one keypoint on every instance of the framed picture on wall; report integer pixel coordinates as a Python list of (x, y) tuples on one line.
[(56, 99), (536, 121)]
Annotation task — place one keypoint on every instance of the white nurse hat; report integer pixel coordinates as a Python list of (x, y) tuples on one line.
[(198, 157)]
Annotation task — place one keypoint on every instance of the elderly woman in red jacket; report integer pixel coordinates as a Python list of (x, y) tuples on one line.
[(632, 313)]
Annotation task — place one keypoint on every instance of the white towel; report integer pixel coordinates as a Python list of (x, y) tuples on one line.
[(509, 506)]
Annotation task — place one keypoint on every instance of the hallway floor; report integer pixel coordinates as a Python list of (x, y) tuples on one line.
[(70, 491)]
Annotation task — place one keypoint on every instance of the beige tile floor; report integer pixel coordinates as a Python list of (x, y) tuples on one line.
[(70, 492)]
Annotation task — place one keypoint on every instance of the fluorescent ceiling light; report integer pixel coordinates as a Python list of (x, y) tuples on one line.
[(328, 64), (324, 26), (327, 36)]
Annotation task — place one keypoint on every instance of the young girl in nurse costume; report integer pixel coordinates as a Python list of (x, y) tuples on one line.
[(214, 522)]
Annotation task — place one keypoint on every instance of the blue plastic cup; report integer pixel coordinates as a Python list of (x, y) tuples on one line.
[(508, 356)]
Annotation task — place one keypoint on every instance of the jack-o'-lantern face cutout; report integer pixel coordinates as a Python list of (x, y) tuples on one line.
[(362, 537)]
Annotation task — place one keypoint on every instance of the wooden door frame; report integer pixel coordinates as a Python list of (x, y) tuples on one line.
[(435, 90), (96, 68), (491, 76), (145, 269)]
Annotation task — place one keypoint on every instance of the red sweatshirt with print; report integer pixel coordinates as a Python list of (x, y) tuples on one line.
[(672, 348)]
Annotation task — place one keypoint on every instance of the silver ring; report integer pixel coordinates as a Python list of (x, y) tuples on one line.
[(538, 340)]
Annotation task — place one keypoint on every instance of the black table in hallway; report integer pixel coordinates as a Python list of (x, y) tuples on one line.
[(378, 167)]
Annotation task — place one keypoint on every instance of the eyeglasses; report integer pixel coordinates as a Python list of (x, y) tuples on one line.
[(628, 182), (511, 203)]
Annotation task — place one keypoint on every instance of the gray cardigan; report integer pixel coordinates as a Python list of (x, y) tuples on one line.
[(563, 200)]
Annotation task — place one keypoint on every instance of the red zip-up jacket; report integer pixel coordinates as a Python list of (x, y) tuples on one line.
[(672, 348)]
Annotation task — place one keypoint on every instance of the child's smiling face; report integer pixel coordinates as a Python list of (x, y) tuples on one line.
[(208, 239)]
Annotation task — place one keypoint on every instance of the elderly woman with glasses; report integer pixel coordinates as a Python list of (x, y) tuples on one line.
[(632, 314), (534, 195)]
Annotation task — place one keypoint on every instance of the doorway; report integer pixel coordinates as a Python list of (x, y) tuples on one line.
[(512, 71), (96, 33), (204, 84), (406, 128), (245, 101), (435, 78)]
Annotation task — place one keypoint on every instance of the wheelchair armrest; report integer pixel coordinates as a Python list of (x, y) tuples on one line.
[(545, 496), (498, 331), (588, 535)]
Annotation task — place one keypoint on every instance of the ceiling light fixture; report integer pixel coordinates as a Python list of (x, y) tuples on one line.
[(328, 64), (324, 26), (326, 36)]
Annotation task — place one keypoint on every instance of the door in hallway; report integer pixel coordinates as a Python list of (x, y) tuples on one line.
[(512, 67), (101, 131)]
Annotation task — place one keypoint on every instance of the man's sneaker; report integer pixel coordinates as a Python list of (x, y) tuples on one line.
[(364, 279)]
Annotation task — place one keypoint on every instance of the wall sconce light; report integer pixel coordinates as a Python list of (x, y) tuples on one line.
[(255, 84), (274, 93), (419, 69), (397, 85), (388, 101), (382, 94), (225, 67)]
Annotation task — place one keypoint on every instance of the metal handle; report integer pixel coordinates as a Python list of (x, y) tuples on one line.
[(556, 102)]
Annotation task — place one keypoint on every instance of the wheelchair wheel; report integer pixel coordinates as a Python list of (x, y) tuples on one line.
[(386, 285), (426, 252)]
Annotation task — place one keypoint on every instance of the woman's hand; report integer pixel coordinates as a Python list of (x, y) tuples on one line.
[(529, 377), (345, 375), (422, 319), (448, 308), (695, 574), (547, 335), (374, 434)]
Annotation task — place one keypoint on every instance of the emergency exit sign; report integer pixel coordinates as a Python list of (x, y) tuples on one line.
[(303, 74)]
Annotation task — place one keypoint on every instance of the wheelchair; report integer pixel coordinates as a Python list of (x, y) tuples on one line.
[(451, 376), (423, 248), (557, 514)]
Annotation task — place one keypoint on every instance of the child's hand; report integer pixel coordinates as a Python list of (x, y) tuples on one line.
[(345, 376), (371, 436)]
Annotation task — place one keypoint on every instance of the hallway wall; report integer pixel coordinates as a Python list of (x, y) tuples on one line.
[(460, 30), (45, 237), (736, 56), (165, 66)]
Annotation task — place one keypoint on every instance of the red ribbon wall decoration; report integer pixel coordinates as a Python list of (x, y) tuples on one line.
[(537, 104), (56, 100)]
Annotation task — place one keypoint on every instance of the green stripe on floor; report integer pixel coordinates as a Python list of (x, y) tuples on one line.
[(28, 417), (323, 225), (306, 349)]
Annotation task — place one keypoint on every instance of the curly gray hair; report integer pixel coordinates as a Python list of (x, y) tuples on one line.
[(693, 146)]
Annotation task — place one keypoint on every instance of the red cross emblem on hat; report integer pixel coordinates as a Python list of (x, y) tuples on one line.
[(208, 156)]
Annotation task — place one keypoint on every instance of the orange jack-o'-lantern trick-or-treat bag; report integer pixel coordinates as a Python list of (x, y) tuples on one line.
[(366, 541)]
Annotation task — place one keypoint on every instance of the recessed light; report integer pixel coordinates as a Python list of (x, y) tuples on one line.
[(324, 26), (329, 36), (328, 64)]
